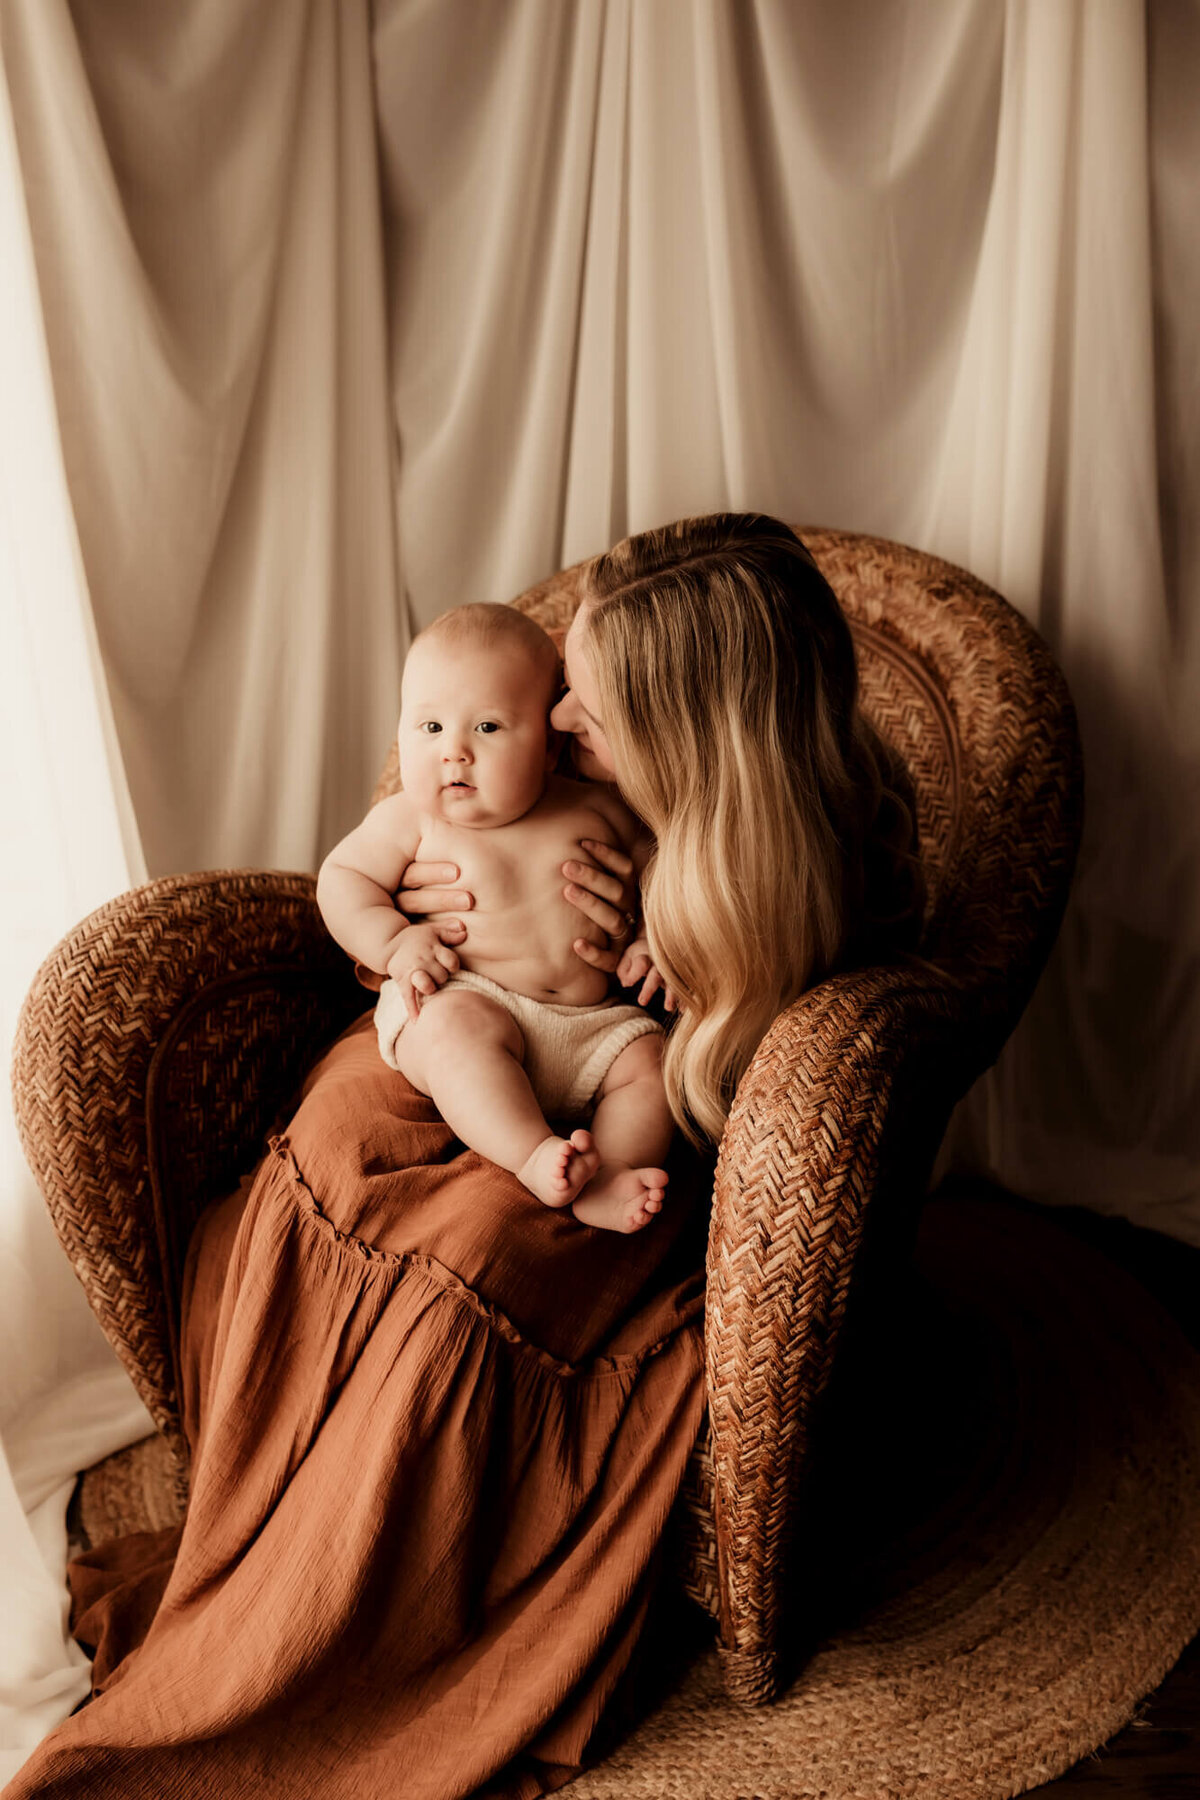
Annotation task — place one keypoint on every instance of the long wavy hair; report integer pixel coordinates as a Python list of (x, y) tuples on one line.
[(729, 694)]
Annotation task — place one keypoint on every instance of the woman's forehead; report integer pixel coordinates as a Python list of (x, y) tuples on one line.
[(576, 634)]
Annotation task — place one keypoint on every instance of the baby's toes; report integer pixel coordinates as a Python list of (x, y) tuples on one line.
[(562, 1158), (583, 1142), (583, 1146)]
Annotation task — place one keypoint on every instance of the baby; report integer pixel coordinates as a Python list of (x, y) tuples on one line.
[(518, 1028)]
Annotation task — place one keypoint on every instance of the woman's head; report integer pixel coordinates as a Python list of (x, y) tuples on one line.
[(719, 681)]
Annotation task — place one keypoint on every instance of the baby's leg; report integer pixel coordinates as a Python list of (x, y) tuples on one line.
[(464, 1051), (632, 1130)]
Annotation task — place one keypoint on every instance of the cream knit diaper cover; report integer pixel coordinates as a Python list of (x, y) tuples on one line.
[(568, 1049)]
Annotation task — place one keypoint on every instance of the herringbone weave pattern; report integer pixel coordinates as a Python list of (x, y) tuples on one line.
[(155, 1045)]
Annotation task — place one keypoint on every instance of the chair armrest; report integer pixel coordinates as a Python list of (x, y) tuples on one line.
[(153, 1050), (848, 1095)]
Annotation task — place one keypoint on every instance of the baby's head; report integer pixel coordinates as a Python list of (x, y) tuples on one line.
[(475, 744)]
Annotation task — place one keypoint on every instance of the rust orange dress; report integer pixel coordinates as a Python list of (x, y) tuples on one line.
[(436, 1431)]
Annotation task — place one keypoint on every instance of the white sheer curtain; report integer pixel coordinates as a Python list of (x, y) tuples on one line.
[(906, 269), (201, 633), (929, 268)]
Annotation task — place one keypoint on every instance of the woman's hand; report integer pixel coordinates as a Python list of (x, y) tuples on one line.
[(638, 965), (424, 888), (606, 895)]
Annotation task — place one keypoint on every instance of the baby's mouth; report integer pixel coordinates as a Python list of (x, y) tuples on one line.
[(460, 787)]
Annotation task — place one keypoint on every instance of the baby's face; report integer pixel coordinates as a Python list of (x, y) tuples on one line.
[(474, 744)]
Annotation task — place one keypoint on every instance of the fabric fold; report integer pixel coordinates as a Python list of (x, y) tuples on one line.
[(422, 1532)]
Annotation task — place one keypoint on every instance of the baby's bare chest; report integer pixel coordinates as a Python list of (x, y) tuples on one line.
[(516, 866)]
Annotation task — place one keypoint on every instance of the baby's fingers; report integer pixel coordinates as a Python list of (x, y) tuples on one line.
[(670, 999), (650, 986), (632, 967), (448, 960)]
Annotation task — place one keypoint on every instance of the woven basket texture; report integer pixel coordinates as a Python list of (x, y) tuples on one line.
[(162, 1038)]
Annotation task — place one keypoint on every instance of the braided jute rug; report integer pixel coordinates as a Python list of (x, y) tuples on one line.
[(1019, 1557), (1016, 1558)]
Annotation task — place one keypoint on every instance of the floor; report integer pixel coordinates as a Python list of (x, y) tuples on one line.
[(1158, 1756)]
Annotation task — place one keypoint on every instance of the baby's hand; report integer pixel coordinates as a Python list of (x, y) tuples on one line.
[(420, 963), (636, 965)]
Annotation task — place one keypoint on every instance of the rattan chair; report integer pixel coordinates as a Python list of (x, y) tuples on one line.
[(162, 1036)]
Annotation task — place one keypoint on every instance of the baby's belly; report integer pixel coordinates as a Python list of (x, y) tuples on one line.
[(523, 949)]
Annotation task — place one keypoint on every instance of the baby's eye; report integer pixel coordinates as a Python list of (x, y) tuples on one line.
[(487, 725), (430, 727)]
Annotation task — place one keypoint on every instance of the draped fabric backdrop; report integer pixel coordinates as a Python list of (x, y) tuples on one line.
[(200, 185), (326, 361)]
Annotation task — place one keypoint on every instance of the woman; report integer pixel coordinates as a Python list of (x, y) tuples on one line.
[(711, 674), (436, 1430)]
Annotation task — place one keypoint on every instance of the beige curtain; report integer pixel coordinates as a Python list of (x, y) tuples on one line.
[(202, 193), (906, 269), (200, 636)]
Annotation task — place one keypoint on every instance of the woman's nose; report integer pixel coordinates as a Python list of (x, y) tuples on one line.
[(562, 716)]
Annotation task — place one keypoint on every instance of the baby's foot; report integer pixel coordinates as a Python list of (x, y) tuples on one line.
[(559, 1167), (618, 1198)]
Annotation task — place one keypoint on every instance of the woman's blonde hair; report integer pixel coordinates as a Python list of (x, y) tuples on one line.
[(729, 695)]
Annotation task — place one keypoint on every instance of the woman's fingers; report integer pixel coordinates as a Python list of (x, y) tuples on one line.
[(433, 899), (609, 919), (606, 887), (598, 957), (603, 895), (426, 887), (610, 858), (429, 874)]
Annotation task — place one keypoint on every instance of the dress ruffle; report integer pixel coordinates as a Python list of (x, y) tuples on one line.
[(436, 1430)]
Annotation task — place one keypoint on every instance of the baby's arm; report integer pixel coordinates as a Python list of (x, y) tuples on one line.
[(359, 877)]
